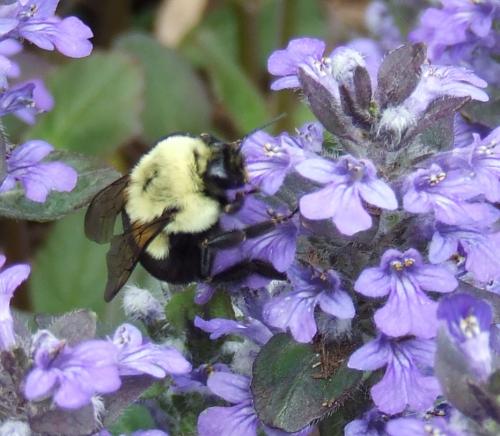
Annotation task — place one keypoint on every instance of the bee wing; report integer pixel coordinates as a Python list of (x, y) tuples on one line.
[(103, 209), (126, 249)]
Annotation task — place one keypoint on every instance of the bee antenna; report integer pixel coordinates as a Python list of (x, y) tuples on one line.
[(239, 142), (265, 126)]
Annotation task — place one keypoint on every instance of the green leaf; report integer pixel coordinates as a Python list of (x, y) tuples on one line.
[(134, 418), (175, 99), (232, 87), (291, 388), (97, 104), (181, 308), (69, 272), (92, 177)]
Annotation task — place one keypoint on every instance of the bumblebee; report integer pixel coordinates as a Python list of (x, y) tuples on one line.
[(170, 204)]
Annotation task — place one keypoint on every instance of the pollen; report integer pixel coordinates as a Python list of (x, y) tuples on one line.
[(323, 66), (470, 326), (397, 265), (435, 179), (270, 150), (409, 262), (429, 429), (484, 150)]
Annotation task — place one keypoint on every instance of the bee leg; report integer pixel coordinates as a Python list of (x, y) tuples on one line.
[(247, 267), (238, 202)]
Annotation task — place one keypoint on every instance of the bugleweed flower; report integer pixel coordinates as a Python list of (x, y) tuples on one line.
[(404, 277), (483, 160), (10, 279), (42, 102), (468, 322), (348, 182), (294, 310), (269, 159), (250, 328), (458, 22), (464, 130), (16, 99), (136, 356), (372, 423), (71, 375), (284, 63), (196, 380), (8, 68), (438, 81), (478, 244), (446, 193), (409, 426), (38, 178), (405, 382), (35, 20), (276, 246), (239, 419)]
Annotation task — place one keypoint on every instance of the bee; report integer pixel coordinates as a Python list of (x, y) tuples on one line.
[(171, 203)]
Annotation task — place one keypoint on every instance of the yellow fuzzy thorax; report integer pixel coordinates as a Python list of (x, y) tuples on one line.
[(170, 176)]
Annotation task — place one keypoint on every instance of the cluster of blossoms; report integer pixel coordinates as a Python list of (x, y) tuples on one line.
[(463, 32), (73, 373), (394, 184), (34, 21)]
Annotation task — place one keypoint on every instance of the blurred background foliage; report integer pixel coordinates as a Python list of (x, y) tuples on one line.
[(158, 66)]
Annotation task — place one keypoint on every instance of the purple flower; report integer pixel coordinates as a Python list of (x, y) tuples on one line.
[(35, 20), (295, 310), (72, 375), (196, 380), (438, 81), (135, 356), (348, 182), (463, 131), (458, 22), (10, 279), (16, 99), (446, 193), (38, 178), (239, 419), (468, 321), (372, 423), (309, 137), (404, 277), (42, 102), (249, 328), (483, 158), (276, 246), (478, 244), (404, 383), (284, 64), (269, 159), (408, 426), (8, 68)]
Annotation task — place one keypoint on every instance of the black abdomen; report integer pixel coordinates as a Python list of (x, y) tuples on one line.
[(183, 264)]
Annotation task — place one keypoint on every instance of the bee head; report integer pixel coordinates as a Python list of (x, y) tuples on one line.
[(226, 166)]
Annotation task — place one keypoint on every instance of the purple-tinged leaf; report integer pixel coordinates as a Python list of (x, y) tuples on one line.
[(131, 389), (75, 327), (439, 109), (399, 74), (452, 370), (325, 107), (362, 87), (59, 421)]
